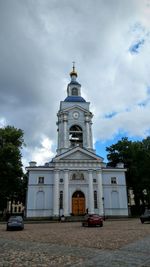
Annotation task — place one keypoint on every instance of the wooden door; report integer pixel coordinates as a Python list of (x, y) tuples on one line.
[(78, 205)]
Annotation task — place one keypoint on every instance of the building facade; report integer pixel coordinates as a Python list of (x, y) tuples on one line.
[(77, 180)]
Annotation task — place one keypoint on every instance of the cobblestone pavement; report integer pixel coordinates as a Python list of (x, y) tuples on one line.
[(118, 243)]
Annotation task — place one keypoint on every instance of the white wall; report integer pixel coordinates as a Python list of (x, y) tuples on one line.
[(45, 190), (114, 193)]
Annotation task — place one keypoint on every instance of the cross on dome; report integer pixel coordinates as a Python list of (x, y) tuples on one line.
[(73, 72)]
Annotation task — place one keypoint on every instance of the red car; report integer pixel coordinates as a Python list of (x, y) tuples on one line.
[(92, 220)]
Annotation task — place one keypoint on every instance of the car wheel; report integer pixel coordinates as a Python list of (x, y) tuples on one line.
[(101, 225), (142, 221)]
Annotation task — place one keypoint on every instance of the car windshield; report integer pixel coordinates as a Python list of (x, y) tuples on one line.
[(15, 218), (147, 212)]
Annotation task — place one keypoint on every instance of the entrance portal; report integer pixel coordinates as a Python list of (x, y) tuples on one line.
[(78, 203)]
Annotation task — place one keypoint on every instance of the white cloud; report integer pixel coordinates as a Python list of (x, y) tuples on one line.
[(40, 154), (3, 122), (132, 123)]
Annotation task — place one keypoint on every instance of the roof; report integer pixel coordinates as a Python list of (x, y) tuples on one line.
[(75, 149), (74, 99)]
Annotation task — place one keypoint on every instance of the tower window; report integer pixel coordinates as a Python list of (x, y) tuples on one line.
[(76, 136), (74, 91)]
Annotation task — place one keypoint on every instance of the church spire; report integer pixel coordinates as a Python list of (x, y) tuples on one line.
[(74, 88), (73, 73)]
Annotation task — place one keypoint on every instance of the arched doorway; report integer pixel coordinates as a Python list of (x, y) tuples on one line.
[(78, 203)]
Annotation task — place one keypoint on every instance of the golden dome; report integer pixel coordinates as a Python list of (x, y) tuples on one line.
[(73, 72)]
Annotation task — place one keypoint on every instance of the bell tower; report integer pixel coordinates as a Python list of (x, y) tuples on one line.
[(74, 119)]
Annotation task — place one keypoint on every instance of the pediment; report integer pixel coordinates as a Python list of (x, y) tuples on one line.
[(75, 107), (78, 154)]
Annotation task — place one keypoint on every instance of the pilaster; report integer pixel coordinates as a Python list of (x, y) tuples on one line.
[(91, 193), (65, 120), (87, 131), (100, 192), (56, 193), (66, 200)]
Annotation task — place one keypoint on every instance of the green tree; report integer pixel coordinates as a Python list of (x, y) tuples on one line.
[(145, 170), (136, 158), (21, 196), (119, 152), (11, 142)]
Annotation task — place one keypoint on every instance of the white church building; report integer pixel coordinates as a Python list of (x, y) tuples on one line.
[(76, 180)]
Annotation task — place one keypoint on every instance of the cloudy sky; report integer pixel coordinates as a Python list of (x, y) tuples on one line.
[(110, 42)]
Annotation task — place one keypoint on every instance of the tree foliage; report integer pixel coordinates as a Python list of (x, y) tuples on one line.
[(136, 158), (11, 142)]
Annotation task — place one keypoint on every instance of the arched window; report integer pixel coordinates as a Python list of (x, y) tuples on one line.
[(76, 136), (77, 194), (61, 200), (95, 199), (74, 91)]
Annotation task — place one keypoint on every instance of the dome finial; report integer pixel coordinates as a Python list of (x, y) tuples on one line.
[(73, 72), (73, 62)]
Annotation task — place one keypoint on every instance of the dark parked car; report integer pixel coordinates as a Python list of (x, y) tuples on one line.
[(15, 223), (92, 220), (145, 217)]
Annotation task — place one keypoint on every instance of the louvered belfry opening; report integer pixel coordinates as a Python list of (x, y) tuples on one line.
[(76, 136)]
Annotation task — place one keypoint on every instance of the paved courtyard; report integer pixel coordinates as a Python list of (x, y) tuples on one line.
[(118, 243)]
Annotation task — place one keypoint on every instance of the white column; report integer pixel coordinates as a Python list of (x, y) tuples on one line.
[(66, 178), (65, 131), (100, 192), (91, 193), (56, 194), (91, 136), (87, 131)]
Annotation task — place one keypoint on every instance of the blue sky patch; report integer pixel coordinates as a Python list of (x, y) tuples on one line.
[(134, 49), (110, 115), (142, 104), (148, 90)]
